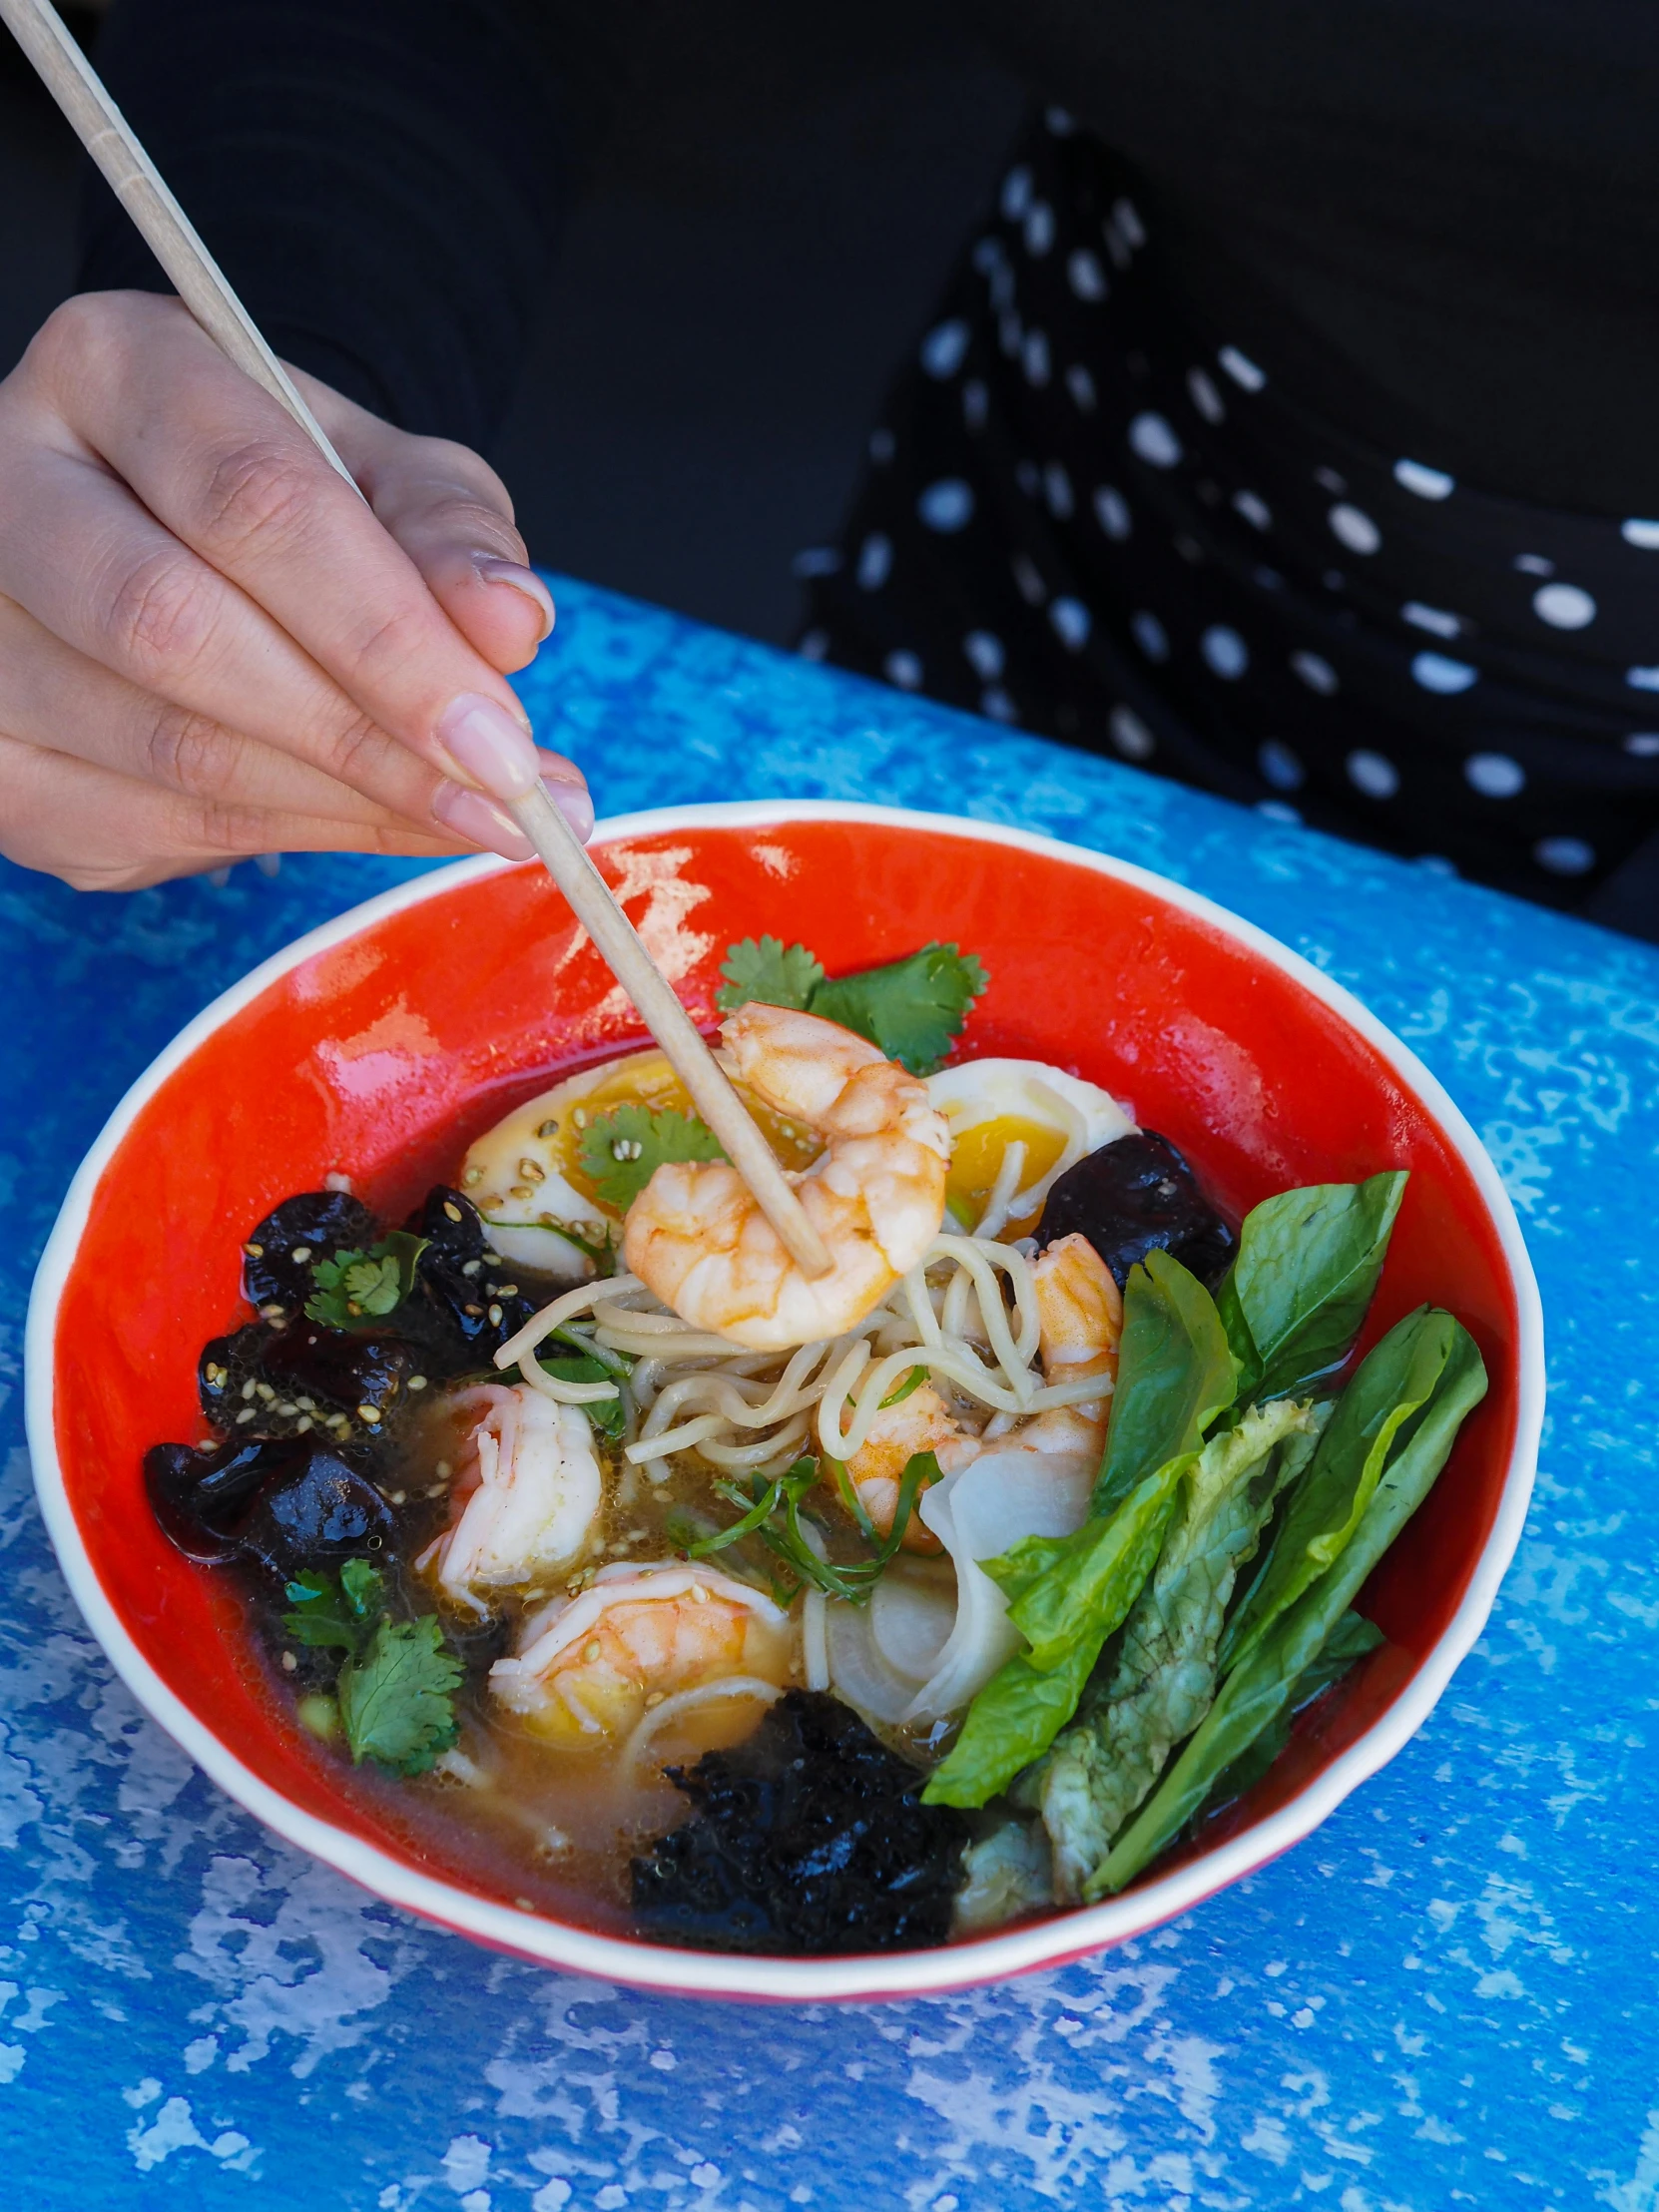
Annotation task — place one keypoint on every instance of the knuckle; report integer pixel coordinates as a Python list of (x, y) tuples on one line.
[(225, 827), (189, 753), (258, 488), (163, 613)]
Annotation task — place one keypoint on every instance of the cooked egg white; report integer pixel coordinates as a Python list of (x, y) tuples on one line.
[(526, 1176), (1015, 1126)]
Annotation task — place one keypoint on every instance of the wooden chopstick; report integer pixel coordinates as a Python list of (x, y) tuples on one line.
[(202, 285)]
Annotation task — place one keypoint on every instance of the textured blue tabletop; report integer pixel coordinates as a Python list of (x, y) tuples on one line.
[(1448, 1996)]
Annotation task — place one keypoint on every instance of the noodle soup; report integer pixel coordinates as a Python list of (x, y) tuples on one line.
[(734, 1608)]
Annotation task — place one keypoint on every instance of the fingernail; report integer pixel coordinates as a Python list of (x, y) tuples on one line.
[(523, 580), (480, 822), (488, 745), (564, 786)]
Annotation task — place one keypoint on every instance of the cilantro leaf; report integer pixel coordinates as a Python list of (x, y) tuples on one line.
[(331, 1611), (913, 1008), (623, 1149), (777, 974), (396, 1697), (356, 1289), (608, 1415)]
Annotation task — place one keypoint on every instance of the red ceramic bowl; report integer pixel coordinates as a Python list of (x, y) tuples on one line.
[(378, 1044)]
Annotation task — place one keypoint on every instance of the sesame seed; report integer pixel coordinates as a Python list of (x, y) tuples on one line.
[(300, 1255), (417, 1382), (246, 1414), (274, 1312), (474, 1311), (472, 1267), (580, 1117), (492, 1259), (436, 1490), (591, 1650), (524, 1905), (305, 1424), (495, 1317), (443, 1471), (655, 1698), (397, 1498), (247, 1390), (532, 1170), (287, 1411), (307, 1404), (289, 1662), (472, 1176), (700, 1595), (370, 1414), (266, 1392), (521, 1189), (546, 1129), (253, 1251), (215, 1374), (506, 1290), (452, 1210)]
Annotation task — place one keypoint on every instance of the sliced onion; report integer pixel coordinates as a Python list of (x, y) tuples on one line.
[(978, 1512), (920, 1649)]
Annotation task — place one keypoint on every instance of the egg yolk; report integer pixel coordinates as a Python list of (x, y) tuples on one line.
[(976, 1161), (648, 1080)]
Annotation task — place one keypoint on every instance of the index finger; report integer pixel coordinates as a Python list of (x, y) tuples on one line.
[(228, 472)]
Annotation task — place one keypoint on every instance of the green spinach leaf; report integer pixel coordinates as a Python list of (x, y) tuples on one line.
[(1175, 1375), (1263, 1679), (1306, 1265), (1394, 1383), (1349, 1642), (1163, 1676)]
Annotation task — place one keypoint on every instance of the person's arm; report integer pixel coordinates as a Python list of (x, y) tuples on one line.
[(208, 646)]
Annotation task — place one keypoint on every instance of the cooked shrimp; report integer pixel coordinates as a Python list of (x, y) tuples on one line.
[(589, 1669), (525, 1498), (875, 1195), (920, 1423), (1080, 1317)]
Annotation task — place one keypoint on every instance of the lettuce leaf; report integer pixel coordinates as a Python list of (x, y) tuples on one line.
[(1175, 1373), (1306, 1265), (1263, 1679), (1394, 1383), (1164, 1677)]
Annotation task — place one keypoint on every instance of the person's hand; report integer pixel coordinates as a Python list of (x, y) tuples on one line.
[(210, 647)]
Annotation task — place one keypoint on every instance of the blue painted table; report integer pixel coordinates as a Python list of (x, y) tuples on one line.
[(1446, 1996)]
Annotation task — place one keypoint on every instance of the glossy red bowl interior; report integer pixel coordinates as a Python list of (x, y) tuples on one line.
[(379, 1046)]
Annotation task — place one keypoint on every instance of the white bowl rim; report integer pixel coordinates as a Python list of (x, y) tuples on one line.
[(1068, 1935)]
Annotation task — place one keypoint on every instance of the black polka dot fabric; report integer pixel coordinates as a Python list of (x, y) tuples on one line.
[(1087, 518)]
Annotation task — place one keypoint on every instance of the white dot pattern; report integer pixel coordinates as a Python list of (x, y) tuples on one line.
[(1078, 512)]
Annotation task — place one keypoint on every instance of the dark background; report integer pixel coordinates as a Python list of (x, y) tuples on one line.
[(748, 259)]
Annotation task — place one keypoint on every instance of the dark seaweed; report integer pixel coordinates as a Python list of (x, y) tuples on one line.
[(316, 1223), (1135, 1196), (810, 1837)]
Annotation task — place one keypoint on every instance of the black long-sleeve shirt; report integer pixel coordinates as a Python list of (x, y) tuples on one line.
[(1446, 212)]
